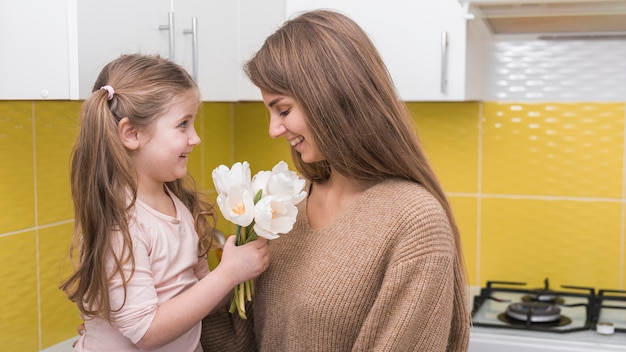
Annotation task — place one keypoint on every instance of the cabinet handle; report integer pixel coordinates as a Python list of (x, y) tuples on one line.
[(444, 62), (194, 46), (170, 27)]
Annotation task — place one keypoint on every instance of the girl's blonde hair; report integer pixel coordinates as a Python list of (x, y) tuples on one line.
[(103, 177), (328, 64)]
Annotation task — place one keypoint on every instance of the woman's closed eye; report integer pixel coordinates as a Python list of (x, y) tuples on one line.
[(284, 113)]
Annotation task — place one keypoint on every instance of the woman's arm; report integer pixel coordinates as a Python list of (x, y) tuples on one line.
[(226, 332), (418, 307)]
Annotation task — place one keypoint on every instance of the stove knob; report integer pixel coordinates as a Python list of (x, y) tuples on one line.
[(605, 328)]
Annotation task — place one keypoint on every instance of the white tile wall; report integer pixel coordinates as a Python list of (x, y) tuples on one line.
[(556, 70)]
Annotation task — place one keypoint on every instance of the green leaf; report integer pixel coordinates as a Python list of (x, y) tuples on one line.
[(239, 239), (258, 195)]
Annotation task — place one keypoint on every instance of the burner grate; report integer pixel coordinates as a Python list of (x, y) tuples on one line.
[(511, 305), (610, 305)]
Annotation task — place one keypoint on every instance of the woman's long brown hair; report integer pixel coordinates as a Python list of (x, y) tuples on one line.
[(328, 64), (104, 180)]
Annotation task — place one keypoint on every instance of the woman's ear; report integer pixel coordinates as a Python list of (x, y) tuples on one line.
[(128, 134)]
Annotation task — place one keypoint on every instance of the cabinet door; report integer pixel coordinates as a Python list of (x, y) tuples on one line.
[(257, 20), (34, 63), (107, 29), (216, 67), (410, 38)]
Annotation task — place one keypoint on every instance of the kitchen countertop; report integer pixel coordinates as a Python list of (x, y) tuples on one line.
[(64, 346), (486, 339), (498, 340)]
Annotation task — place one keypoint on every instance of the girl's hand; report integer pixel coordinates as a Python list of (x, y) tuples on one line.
[(81, 331), (246, 261)]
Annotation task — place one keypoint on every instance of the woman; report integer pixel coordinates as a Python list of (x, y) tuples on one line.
[(374, 261)]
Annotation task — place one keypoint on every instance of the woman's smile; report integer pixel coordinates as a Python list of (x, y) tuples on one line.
[(295, 141)]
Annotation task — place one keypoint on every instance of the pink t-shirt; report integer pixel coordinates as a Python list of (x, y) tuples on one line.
[(166, 264)]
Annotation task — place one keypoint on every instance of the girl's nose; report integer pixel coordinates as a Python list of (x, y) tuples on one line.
[(194, 139), (276, 128)]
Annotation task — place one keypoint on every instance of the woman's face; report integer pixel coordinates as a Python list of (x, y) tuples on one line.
[(288, 120)]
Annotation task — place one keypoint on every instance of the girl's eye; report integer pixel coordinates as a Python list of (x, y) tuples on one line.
[(183, 124), (284, 113)]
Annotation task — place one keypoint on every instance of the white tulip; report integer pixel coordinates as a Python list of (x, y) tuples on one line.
[(286, 183), (274, 215), (237, 176), (237, 206), (259, 182)]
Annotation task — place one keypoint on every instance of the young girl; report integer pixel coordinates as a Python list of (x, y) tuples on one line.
[(141, 279)]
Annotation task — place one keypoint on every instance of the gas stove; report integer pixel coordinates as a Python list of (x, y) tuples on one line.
[(512, 317)]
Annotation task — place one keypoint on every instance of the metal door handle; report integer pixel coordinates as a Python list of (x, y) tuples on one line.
[(444, 62), (194, 46), (170, 27)]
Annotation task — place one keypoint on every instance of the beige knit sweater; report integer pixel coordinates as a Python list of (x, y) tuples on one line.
[(382, 277)]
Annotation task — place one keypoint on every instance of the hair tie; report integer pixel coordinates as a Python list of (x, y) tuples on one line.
[(109, 90)]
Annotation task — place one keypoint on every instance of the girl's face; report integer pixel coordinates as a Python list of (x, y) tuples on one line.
[(166, 143), (287, 119)]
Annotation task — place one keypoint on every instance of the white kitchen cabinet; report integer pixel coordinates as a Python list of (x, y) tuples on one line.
[(107, 29), (54, 49), (257, 20), (35, 59), (217, 67), (209, 53), (431, 50)]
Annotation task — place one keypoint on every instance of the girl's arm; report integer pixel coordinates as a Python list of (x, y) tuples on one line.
[(176, 316)]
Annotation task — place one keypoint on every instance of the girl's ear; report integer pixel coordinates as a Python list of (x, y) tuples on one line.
[(128, 134)]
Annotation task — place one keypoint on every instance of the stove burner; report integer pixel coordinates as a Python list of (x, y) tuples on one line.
[(543, 297), (544, 294), (562, 321), (535, 312), (539, 309)]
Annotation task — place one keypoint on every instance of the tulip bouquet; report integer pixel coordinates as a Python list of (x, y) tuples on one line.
[(264, 205)]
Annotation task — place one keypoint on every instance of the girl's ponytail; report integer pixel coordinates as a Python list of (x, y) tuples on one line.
[(101, 175)]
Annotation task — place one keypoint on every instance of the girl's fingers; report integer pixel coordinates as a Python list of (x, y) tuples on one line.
[(262, 242), (230, 241), (81, 329)]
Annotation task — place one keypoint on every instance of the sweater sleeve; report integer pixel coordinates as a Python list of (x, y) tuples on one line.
[(414, 308), (226, 332)]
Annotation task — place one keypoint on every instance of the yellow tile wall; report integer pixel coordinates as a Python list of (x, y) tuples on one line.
[(537, 189), (215, 127), (252, 141), (36, 224)]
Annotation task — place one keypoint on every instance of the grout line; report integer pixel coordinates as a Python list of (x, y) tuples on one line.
[(533, 197), (37, 264), (622, 224), (203, 147), (231, 119), (52, 224), (479, 194)]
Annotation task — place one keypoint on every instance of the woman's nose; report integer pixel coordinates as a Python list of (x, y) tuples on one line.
[(276, 128)]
